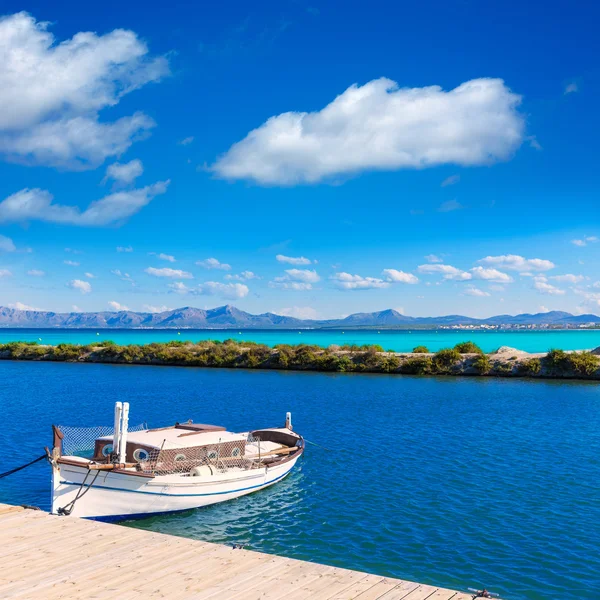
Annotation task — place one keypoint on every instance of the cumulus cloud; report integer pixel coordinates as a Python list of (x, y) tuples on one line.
[(448, 271), (125, 173), (299, 312), (36, 204), (162, 256), (380, 126), (5, 273), (213, 263), (433, 258), (179, 287), (568, 278), (116, 306), (155, 309), (514, 262), (83, 286), (540, 283), (167, 272), (51, 93), (71, 263), (293, 260), (590, 239), (490, 275), (36, 273), (243, 276), (473, 291), (6, 244), (296, 279), (347, 281), (90, 275), (21, 306), (399, 276), (231, 291)]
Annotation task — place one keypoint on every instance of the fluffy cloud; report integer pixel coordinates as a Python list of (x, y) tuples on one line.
[(568, 278), (167, 272), (473, 291), (21, 306), (213, 263), (381, 126), (6, 244), (225, 290), (432, 258), (71, 263), (179, 287), (162, 256), (243, 276), (36, 273), (90, 275), (83, 286), (291, 260), (51, 93), (5, 273), (541, 284), (299, 312), (155, 309), (296, 279), (490, 275), (448, 271), (514, 262), (590, 239), (125, 172), (36, 204), (116, 306), (399, 276), (346, 281)]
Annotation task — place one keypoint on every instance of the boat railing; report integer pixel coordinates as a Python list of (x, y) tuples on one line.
[(81, 441)]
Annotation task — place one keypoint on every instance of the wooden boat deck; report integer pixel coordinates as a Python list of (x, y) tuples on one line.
[(50, 557)]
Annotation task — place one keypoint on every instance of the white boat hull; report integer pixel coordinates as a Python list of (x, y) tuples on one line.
[(111, 496)]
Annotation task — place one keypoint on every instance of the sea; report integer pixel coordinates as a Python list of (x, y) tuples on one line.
[(396, 340), (454, 482)]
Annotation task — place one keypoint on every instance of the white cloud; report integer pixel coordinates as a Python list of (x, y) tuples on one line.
[(71, 263), (76, 308), (514, 262), (123, 276), (36, 273), (83, 286), (5, 273), (452, 180), (298, 312), (568, 278), (179, 287), (162, 256), (432, 258), (473, 291), (124, 249), (213, 263), (541, 284), (73, 251), (296, 279), (448, 271), (225, 290), (306, 275), (296, 286), (36, 204), (125, 172), (243, 276), (187, 141), (399, 276), (293, 260), (51, 93), (384, 127), (590, 239), (347, 281), (90, 275), (155, 309), (571, 88), (116, 306), (6, 244), (21, 306), (450, 205), (490, 275), (167, 272)]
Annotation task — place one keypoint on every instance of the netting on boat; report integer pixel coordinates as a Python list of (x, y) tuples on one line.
[(197, 461), (80, 441)]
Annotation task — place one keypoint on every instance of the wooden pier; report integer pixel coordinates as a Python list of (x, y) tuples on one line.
[(44, 556)]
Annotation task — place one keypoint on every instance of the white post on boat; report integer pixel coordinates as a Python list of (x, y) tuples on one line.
[(117, 431), (288, 421), (124, 428)]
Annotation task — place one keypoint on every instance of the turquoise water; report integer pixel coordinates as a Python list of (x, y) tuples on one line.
[(454, 482), (400, 341)]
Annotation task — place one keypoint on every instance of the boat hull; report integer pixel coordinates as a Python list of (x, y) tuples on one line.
[(113, 496)]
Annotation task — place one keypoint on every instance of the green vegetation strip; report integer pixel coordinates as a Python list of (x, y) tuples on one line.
[(464, 359)]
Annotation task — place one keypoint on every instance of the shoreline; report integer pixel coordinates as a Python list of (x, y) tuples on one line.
[(465, 359)]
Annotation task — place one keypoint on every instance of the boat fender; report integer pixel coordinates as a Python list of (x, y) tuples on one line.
[(202, 471)]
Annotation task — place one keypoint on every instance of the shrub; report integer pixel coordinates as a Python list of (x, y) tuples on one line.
[(482, 364), (531, 366), (556, 361), (584, 363), (417, 365), (468, 348), (67, 352), (445, 359), (421, 350), (389, 363)]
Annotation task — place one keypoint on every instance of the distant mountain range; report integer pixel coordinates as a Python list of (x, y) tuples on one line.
[(229, 317)]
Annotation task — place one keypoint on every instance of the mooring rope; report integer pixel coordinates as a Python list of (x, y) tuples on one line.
[(17, 469)]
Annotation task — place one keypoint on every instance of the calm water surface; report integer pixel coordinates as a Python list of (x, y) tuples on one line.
[(454, 482), (399, 341)]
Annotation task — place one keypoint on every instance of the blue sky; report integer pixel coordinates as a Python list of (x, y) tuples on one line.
[(328, 157)]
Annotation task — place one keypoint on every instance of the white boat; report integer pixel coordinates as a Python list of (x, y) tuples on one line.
[(119, 473)]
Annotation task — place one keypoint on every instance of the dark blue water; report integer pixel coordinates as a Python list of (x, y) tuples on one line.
[(450, 481)]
